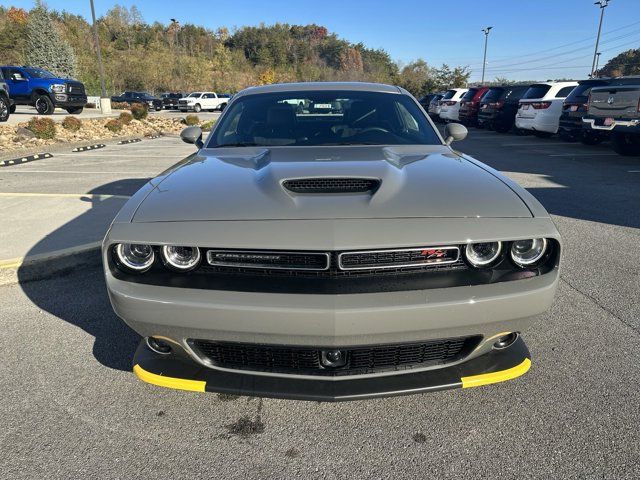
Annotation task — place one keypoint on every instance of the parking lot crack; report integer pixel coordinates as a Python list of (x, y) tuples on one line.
[(599, 305)]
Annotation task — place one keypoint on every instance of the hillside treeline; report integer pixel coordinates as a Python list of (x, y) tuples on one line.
[(157, 57)]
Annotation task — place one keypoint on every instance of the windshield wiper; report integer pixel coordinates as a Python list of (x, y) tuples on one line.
[(239, 144)]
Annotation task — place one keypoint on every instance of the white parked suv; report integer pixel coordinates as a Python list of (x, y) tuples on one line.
[(450, 104), (541, 106), (198, 101)]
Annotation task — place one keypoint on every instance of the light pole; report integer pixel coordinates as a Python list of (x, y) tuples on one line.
[(595, 72), (105, 102), (486, 39), (602, 4)]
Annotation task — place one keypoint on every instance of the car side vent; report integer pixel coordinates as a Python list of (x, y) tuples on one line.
[(332, 185)]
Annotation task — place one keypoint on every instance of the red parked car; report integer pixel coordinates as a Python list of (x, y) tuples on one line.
[(470, 105)]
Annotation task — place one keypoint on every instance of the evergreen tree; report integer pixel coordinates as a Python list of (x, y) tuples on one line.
[(45, 46)]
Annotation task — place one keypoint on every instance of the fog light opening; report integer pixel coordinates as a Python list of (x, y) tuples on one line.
[(158, 346), (333, 358), (506, 341)]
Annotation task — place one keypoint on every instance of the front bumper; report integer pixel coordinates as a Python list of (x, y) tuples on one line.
[(65, 100), (172, 371)]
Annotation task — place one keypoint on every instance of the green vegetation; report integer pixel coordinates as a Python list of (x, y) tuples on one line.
[(208, 125), (125, 118), (114, 125), (44, 128), (139, 111), (73, 124), (626, 63), (156, 57)]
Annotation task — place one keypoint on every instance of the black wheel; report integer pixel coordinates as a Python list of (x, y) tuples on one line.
[(626, 144), (44, 105), (540, 134), (4, 109), (223, 106), (590, 139), (567, 136), (75, 110), (12, 108), (197, 108), (158, 109)]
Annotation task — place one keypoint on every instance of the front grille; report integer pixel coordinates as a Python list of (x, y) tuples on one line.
[(398, 258), (75, 88), (332, 185), (308, 360), (262, 259)]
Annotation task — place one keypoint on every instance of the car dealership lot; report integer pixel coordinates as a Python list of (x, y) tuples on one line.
[(70, 405)]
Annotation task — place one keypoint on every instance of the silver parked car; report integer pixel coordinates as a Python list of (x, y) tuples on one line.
[(338, 252)]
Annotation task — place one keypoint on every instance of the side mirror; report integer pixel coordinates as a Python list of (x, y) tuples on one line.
[(454, 132), (192, 135), (17, 78)]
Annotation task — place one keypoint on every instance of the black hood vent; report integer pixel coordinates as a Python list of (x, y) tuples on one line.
[(332, 185)]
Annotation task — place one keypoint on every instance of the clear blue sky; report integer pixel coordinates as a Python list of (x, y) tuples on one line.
[(439, 32)]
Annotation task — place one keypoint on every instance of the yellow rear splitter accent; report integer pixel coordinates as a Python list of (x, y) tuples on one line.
[(169, 382), (496, 377)]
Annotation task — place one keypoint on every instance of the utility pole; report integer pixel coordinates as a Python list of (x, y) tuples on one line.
[(105, 102), (602, 4), (484, 60), (595, 72)]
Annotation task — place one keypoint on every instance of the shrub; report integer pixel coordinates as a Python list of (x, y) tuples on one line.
[(208, 125), (139, 111), (125, 118), (191, 120), (73, 124), (120, 106), (42, 127), (113, 125)]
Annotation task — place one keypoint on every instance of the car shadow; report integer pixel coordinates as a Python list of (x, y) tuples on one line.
[(74, 289)]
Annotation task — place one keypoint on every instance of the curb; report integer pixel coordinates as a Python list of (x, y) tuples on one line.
[(25, 159), (89, 147), (45, 265)]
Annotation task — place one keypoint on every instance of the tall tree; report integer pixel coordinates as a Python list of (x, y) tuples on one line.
[(45, 47)]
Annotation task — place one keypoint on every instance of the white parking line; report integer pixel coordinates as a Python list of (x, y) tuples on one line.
[(634, 171)]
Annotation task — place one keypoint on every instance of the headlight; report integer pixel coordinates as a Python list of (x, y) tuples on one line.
[(181, 258), (482, 254), (135, 256), (58, 88), (527, 252)]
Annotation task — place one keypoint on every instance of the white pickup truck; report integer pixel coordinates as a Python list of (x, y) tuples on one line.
[(198, 101)]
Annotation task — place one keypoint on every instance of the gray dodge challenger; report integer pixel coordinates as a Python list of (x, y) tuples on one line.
[(326, 243)]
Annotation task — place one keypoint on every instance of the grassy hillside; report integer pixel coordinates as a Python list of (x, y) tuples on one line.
[(157, 57)]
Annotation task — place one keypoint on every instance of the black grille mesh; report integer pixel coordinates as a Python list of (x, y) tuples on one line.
[(394, 258), (332, 185), (265, 259), (360, 360)]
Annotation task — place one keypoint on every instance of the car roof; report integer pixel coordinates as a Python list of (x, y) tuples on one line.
[(314, 86)]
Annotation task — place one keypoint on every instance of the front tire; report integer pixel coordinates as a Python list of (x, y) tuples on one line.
[(197, 108), (44, 105), (626, 144), (4, 109), (75, 110)]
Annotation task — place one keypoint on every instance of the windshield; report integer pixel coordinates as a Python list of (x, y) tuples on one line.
[(194, 94), (39, 73), (317, 118)]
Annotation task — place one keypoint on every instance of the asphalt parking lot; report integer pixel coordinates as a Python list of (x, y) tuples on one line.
[(70, 406)]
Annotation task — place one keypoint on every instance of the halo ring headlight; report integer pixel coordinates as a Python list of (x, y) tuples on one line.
[(529, 251), (482, 254), (135, 256), (181, 258)]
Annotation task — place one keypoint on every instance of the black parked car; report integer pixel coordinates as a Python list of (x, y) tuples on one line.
[(170, 100), (499, 106), (574, 108), (154, 103), (5, 102)]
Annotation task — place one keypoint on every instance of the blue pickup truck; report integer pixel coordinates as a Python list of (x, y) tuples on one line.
[(43, 90)]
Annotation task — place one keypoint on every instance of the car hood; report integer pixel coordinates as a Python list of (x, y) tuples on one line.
[(247, 184)]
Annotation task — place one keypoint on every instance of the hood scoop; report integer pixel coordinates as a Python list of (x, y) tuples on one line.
[(320, 185)]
